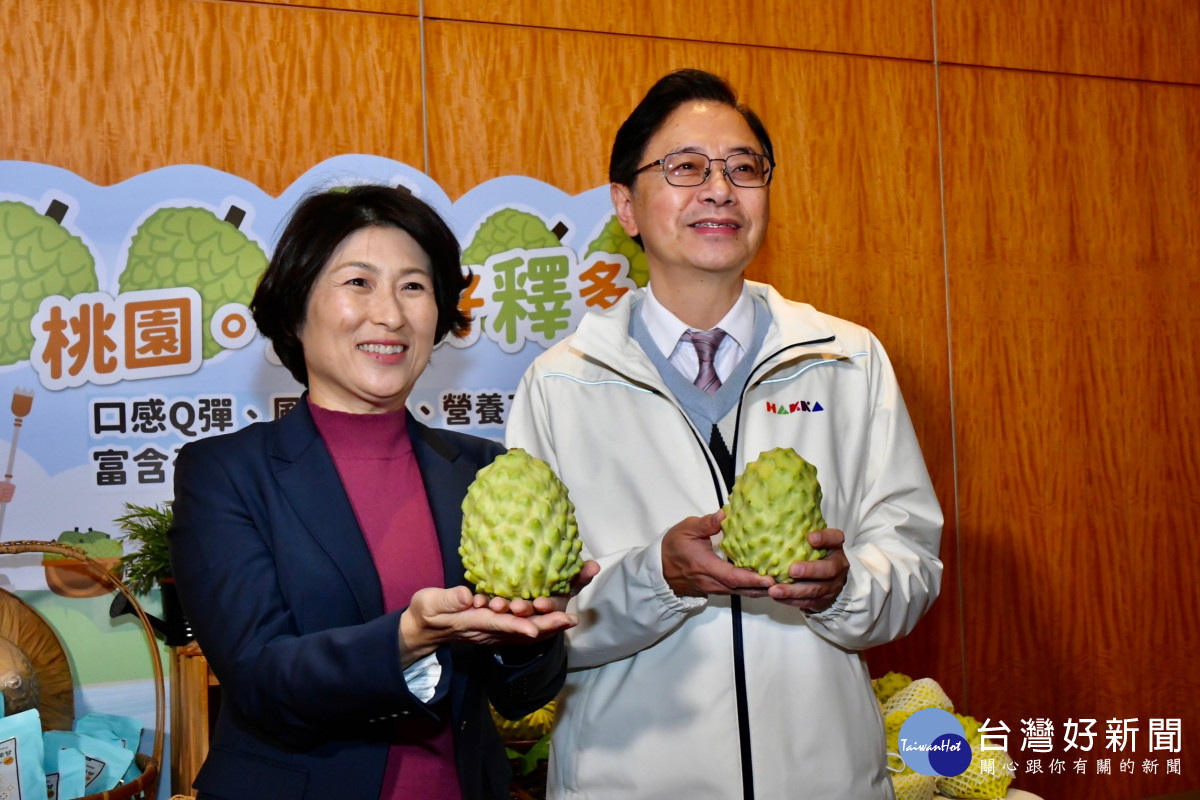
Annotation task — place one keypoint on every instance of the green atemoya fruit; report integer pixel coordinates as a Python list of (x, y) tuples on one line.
[(519, 537), (773, 507)]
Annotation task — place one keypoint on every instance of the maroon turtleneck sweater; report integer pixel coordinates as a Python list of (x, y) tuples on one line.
[(375, 461)]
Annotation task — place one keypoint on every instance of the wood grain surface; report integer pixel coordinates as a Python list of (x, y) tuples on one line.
[(406, 7), (898, 29), (1073, 232), (1144, 39), (110, 89)]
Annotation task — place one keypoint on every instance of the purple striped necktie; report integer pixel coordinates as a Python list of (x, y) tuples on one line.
[(706, 344)]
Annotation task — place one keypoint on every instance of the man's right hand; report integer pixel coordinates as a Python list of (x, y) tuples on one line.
[(693, 569)]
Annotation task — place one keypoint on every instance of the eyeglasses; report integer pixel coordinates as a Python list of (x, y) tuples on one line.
[(748, 170)]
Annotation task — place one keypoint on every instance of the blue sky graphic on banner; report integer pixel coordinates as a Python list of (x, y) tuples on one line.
[(125, 333)]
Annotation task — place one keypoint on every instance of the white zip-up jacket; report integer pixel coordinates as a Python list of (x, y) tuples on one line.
[(649, 708)]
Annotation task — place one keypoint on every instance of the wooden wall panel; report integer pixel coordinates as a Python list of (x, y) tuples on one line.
[(856, 226), (1072, 226), (1073, 233), (407, 7), (112, 88), (1144, 39), (898, 29)]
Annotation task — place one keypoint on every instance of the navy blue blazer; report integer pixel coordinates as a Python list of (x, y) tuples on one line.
[(283, 596)]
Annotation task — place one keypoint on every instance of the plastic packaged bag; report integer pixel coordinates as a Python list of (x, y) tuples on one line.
[(105, 762), (22, 767), (125, 731), (66, 773)]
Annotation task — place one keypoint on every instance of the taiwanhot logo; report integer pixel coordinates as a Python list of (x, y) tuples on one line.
[(932, 742), (800, 406)]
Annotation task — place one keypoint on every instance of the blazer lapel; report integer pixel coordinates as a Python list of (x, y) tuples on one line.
[(447, 475), (310, 481)]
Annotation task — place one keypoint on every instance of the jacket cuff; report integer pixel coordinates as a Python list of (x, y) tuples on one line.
[(652, 569), (520, 655)]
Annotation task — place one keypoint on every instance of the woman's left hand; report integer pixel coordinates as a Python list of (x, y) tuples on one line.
[(520, 607), (437, 616)]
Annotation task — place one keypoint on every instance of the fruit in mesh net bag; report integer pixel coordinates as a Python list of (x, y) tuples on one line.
[(895, 759), (980, 780), (887, 685), (912, 786), (773, 507), (922, 693), (531, 726), (519, 537), (970, 725)]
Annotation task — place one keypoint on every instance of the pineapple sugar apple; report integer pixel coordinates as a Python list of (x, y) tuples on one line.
[(773, 507), (888, 685), (519, 537), (531, 726)]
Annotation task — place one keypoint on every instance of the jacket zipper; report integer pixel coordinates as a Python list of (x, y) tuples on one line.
[(735, 601)]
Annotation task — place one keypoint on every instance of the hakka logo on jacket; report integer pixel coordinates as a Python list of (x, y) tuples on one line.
[(793, 408)]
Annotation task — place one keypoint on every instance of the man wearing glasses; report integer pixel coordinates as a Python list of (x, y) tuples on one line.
[(692, 678)]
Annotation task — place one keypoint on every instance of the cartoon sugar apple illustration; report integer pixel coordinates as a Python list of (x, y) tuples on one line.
[(97, 544), (67, 577), (39, 258), (507, 229), (613, 239), (194, 247)]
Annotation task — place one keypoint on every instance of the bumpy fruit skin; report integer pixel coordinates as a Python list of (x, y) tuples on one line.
[(773, 507), (911, 786), (885, 687), (533, 726), (519, 537), (980, 781), (921, 693)]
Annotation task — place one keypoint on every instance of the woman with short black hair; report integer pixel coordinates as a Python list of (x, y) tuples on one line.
[(316, 555)]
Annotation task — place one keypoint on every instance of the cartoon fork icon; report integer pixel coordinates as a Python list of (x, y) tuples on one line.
[(22, 404)]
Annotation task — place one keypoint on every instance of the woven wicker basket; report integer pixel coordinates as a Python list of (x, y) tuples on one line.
[(144, 786)]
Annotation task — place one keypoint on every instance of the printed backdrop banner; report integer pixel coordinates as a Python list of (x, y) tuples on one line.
[(125, 333)]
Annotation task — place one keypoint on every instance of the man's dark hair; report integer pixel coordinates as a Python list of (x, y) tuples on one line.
[(669, 93), (318, 224)]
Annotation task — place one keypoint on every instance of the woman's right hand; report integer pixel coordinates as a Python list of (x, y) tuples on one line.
[(437, 616)]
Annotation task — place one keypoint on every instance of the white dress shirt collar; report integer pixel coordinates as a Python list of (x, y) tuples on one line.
[(666, 329)]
